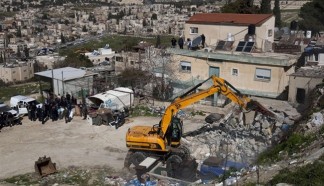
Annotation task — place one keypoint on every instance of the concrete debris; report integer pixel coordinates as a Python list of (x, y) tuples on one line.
[(240, 136), (317, 119)]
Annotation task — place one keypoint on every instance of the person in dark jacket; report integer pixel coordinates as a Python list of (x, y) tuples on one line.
[(180, 42), (173, 42), (203, 39)]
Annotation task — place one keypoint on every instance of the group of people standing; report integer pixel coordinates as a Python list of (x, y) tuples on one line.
[(8, 119), (181, 42), (53, 108)]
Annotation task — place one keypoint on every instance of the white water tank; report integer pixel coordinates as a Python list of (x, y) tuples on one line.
[(308, 34), (230, 37)]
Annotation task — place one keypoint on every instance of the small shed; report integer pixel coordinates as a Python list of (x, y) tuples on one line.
[(302, 82), (68, 80)]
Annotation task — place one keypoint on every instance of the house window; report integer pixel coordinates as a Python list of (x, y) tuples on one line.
[(13, 72), (234, 72), (193, 30), (185, 66), (119, 59), (270, 33), (132, 62), (300, 95), (262, 74)]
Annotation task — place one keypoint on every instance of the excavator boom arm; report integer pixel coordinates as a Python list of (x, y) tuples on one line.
[(190, 97)]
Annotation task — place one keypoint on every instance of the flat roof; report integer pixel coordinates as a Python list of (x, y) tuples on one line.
[(312, 72), (66, 73), (266, 58)]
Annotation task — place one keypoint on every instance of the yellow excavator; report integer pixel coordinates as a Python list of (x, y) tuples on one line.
[(163, 139)]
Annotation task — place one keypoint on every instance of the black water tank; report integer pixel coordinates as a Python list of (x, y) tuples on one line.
[(251, 29), (293, 25)]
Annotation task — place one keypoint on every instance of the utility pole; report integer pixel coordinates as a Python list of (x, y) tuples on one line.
[(52, 79), (5, 49), (62, 83)]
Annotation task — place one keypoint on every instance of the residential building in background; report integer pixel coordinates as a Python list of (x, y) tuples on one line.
[(17, 72)]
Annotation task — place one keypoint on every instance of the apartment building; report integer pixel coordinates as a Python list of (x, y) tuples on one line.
[(18, 71), (238, 51)]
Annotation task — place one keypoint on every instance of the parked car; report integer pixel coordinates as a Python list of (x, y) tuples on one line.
[(21, 102)]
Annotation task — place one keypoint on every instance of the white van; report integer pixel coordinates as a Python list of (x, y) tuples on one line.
[(21, 102)]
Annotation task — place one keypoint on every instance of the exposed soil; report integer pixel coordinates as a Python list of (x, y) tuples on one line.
[(69, 144)]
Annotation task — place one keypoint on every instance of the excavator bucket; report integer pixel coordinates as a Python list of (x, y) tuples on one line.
[(258, 107), (44, 166)]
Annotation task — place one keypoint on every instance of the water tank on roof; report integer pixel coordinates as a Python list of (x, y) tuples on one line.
[(230, 37), (251, 29), (308, 34)]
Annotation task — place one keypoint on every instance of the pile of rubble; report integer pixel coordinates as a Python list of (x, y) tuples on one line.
[(239, 136)]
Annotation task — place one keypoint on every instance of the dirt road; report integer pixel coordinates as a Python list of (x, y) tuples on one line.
[(74, 144)]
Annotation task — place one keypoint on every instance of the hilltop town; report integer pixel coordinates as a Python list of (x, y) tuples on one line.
[(78, 77)]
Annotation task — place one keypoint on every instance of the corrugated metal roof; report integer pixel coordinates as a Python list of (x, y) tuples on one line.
[(229, 19), (67, 72)]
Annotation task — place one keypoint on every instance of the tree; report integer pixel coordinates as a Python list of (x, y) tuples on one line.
[(131, 76), (110, 15), (265, 7), (18, 34), (158, 41), (276, 12), (45, 16), (26, 52), (62, 38), (144, 23), (241, 7), (18, 52), (84, 29), (75, 60), (154, 16), (66, 22), (1, 58), (312, 15)]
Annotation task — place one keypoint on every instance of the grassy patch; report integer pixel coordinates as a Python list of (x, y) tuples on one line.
[(141, 110), (117, 43), (69, 176), (293, 144), (21, 89), (25, 179), (6, 14), (311, 174)]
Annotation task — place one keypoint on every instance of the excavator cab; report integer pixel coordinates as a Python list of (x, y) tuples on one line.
[(174, 131)]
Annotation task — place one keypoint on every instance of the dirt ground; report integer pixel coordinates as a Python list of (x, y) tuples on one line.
[(77, 143)]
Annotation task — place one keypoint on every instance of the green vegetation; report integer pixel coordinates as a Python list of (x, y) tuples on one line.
[(22, 179), (22, 89), (141, 110), (6, 14), (118, 43), (69, 176), (311, 174), (312, 15), (293, 144)]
